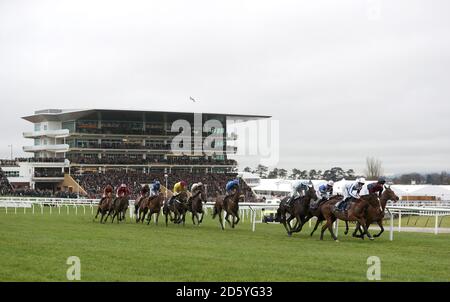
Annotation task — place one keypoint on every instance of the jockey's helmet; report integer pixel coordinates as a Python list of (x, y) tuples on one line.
[(331, 183)]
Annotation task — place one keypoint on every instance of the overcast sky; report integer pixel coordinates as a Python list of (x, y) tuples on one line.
[(346, 79)]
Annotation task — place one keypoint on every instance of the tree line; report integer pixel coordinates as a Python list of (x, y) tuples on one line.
[(335, 174)]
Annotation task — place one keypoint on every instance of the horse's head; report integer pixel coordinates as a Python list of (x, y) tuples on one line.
[(389, 194), (311, 193)]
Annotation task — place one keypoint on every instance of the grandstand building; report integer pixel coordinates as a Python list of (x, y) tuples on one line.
[(73, 142)]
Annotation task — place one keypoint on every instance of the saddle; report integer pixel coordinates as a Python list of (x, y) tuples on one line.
[(339, 208)]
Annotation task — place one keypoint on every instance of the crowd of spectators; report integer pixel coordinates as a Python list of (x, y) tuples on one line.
[(8, 163), (94, 183), (172, 160), (5, 186)]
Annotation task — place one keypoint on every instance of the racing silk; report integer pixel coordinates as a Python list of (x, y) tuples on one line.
[(231, 184), (122, 191), (155, 187), (375, 188), (325, 190), (194, 187), (352, 190), (108, 189), (298, 187), (178, 188)]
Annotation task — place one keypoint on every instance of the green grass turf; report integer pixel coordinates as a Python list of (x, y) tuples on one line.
[(36, 247)]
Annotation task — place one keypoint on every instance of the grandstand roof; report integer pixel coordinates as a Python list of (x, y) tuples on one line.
[(73, 114)]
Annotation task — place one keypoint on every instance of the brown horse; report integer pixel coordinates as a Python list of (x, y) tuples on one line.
[(300, 210), (104, 207), (231, 206), (178, 207), (356, 212), (218, 208), (137, 205), (195, 205), (120, 207), (154, 207), (375, 213), (317, 212)]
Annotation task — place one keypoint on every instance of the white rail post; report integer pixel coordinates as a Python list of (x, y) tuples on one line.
[(15, 209), (84, 210), (76, 210), (67, 207), (59, 209), (254, 221), (391, 230), (6, 208), (400, 220), (32, 205), (336, 227), (51, 209), (42, 209), (436, 229), (24, 210)]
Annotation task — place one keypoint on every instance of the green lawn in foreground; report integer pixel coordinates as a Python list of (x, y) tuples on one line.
[(36, 247)]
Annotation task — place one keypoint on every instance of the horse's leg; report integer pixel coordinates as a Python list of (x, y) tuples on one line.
[(330, 228), (318, 221), (201, 217), (380, 224), (149, 216), (362, 222), (226, 218), (221, 220), (157, 218), (167, 218), (193, 215), (237, 216), (346, 227), (96, 215)]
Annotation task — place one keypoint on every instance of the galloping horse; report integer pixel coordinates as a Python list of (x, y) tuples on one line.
[(317, 212), (195, 205), (231, 206), (375, 213), (120, 207), (218, 208), (152, 205), (300, 210), (105, 206), (178, 207), (356, 212), (137, 205)]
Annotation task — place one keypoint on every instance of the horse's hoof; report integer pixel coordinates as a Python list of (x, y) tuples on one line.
[(336, 240), (289, 234), (371, 238)]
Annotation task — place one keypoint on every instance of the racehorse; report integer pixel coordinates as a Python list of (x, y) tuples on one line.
[(195, 205), (375, 213), (120, 207), (178, 207), (137, 204), (231, 206), (300, 210), (218, 208), (356, 212), (316, 211), (104, 206), (152, 205)]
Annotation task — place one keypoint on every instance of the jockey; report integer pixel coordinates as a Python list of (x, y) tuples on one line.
[(299, 189), (196, 186), (155, 188), (107, 192), (232, 186), (123, 191), (326, 190), (178, 188), (351, 192), (377, 187)]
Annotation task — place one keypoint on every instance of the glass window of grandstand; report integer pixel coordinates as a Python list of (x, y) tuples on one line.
[(48, 172), (69, 125), (37, 127), (87, 143), (84, 126), (11, 173), (157, 144)]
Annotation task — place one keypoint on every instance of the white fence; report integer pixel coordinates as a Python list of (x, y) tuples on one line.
[(252, 211)]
